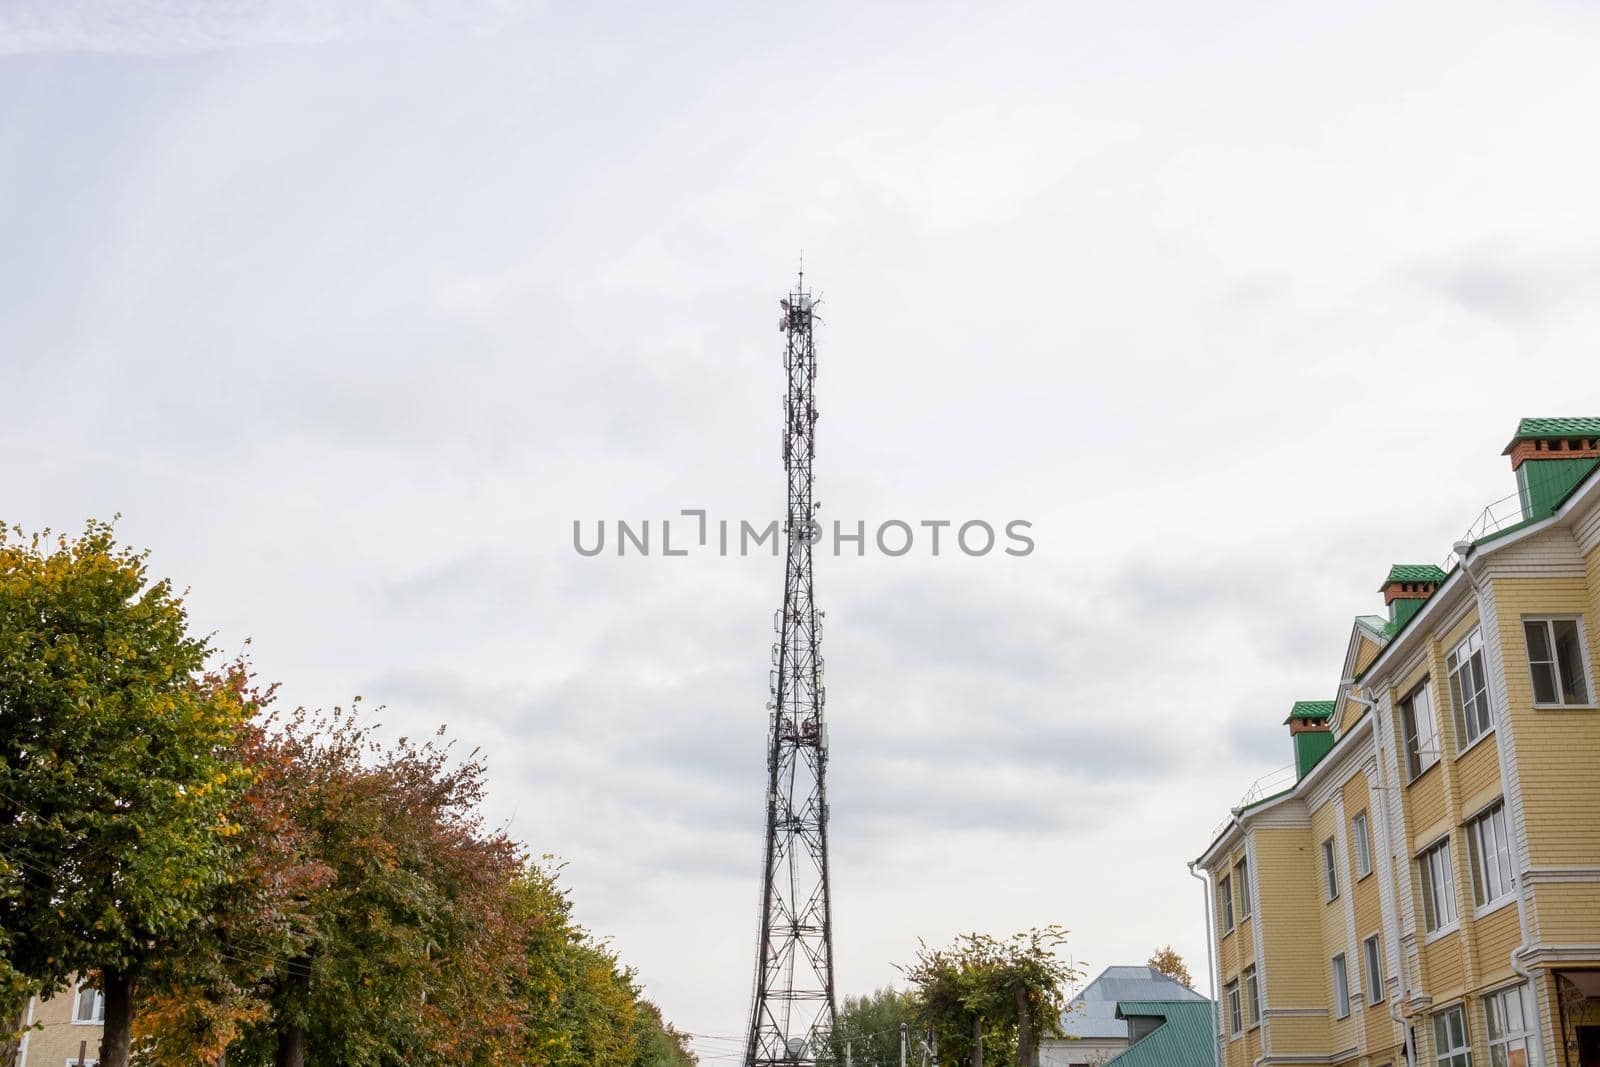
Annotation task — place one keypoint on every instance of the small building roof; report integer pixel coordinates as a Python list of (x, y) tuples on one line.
[(1184, 1039), (1414, 572), (1093, 1012), (1546, 429), (1310, 710)]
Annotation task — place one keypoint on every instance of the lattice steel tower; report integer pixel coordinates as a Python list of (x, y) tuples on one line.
[(793, 1014)]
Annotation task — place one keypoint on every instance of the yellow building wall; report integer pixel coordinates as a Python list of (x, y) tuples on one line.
[(1558, 750), (1350, 711), (1332, 921), (1229, 941), (1294, 972), (1478, 772), (1497, 935), (1568, 912), (1423, 803), (60, 1039)]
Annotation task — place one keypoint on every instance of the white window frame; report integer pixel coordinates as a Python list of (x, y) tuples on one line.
[(1372, 964), (1250, 986), (1235, 1012), (1225, 902), (1341, 986), (1447, 1053), (1437, 880), (1467, 668), (1507, 1040), (1241, 888), (1549, 621), (1330, 869), (1361, 843), (99, 1013), (1421, 739), (1489, 839)]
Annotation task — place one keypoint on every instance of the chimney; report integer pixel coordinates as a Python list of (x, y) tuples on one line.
[(1310, 725), (1550, 456), (1407, 588)]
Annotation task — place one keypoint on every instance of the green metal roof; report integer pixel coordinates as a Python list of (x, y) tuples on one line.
[(1374, 624), (1545, 429), (1414, 572), (1185, 1039), (1310, 709)]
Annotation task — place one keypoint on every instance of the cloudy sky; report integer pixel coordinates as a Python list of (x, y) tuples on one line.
[(351, 310)]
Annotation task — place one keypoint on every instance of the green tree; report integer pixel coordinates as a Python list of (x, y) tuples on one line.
[(117, 766), (987, 997), (577, 1004), (869, 1026), (657, 1042)]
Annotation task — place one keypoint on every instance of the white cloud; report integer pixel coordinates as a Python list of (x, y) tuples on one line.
[(175, 27)]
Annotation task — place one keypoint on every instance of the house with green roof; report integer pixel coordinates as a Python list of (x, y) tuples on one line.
[(1094, 1031), (1426, 891), (1167, 1033)]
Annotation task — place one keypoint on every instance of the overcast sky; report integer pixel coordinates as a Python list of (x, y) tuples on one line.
[(351, 310)]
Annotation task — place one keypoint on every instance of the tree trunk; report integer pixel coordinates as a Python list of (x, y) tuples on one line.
[(977, 1042), (1026, 1055), (291, 1024), (11, 1047), (117, 1038), (291, 1047)]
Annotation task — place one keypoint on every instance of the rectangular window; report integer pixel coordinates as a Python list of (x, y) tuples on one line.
[(1438, 887), (1361, 844), (89, 1006), (1241, 882), (1252, 996), (1330, 869), (1510, 1017), (1372, 960), (1450, 1038), (1489, 847), (1341, 987), (1469, 689), (1421, 733), (1555, 654), (1235, 1023), (1225, 902)]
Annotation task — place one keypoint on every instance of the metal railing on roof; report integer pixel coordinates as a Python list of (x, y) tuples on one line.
[(1267, 785), (1500, 515)]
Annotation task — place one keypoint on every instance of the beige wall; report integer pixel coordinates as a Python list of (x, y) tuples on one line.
[(57, 1042), (1543, 763)]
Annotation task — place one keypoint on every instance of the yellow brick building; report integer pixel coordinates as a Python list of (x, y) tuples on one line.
[(64, 1030), (1425, 890)]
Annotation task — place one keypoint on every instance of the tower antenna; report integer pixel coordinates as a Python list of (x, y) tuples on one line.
[(792, 1018)]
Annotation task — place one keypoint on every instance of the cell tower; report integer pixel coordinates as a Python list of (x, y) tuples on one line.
[(793, 1014)]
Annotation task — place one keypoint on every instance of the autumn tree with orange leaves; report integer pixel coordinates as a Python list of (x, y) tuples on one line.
[(254, 889)]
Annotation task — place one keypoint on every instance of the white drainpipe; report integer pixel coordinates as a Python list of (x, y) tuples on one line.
[(1211, 970)]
